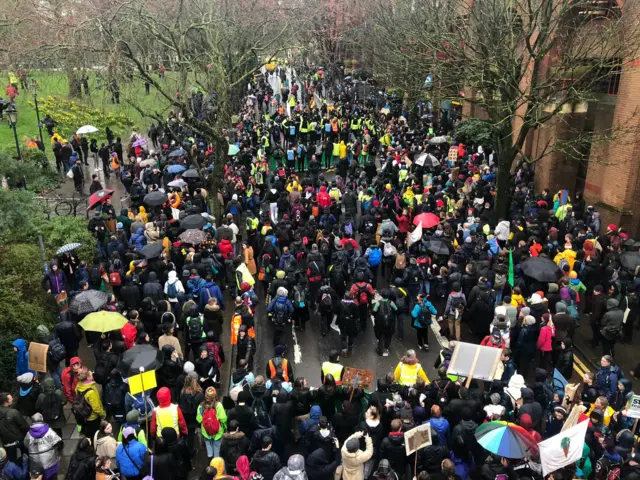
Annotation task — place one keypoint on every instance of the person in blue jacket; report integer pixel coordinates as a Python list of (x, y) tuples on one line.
[(130, 455), (421, 315), (22, 356), (138, 240), (208, 290)]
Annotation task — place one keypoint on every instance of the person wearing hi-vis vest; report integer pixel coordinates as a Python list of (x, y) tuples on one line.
[(409, 370), (279, 367), (332, 367), (167, 414)]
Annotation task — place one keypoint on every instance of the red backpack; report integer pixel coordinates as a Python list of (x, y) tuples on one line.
[(210, 422), (115, 279), (363, 294)]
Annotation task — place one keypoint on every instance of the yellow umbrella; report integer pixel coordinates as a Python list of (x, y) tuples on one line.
[(103, 322)]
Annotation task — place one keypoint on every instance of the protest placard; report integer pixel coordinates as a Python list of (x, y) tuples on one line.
[(38, 357), (417, 437)]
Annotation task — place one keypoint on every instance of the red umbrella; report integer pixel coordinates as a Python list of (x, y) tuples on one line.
[(99, 197), (429, 220)]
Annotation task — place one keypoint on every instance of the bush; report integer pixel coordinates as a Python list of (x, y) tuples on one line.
[(20, 216), (62, 230), (34, 169), (474, 131)]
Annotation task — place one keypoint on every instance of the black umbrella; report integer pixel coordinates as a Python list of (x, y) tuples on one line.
[(541, 269), (191, 173), (146, 356), (193, 221), (630, 260), (151, 250), (155, 198), (88, 301), (178, 153), (439, 247)]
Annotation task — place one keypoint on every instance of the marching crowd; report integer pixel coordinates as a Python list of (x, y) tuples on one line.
[(402, 233)]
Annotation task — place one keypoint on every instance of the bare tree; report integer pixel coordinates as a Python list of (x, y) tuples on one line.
[(521, 64)]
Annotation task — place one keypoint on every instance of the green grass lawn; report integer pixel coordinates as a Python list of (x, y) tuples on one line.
[(54, 83)]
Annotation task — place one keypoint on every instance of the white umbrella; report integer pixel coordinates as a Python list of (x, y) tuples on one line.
[(149, 162), (177, 183), (437, 140), (86, 129)]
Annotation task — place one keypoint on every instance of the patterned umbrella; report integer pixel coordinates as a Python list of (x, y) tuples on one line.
[(193, 237), (69, 247), (88, 301), (506, 439)]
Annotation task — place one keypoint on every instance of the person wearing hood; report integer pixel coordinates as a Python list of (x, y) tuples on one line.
[(50, 404), (133, 420), (88, 389), (131, 455), (321, 465), (537, 307), (13, 427), (209, 290), (525, 345), (611, 326), (54, 281), (529, 406), (392, 449), (295, 469), (69, 334), (152, 288), (174, 290), (152, 233), (353, 458), (28, 394), (170, 370), (167, 414), (564, 362), (138, 239), (124, 219), (22, 356), (82, 465), (44, 447), (609, 465), (177, 446), (265, 461), (454, 308), (622, 395), (234, 445)]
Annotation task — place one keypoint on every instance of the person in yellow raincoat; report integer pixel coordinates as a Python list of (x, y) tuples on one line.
[(408, 197)]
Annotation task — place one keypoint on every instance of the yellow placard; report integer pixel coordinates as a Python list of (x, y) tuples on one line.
[(148, 379)]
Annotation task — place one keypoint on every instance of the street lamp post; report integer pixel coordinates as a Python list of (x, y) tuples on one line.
[(12, 116), (35, 98)]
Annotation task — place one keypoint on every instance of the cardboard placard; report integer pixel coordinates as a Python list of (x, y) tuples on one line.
[(474, 361), (633, 409), (363, 379), (146, 379), (416, 438), (38, 357)]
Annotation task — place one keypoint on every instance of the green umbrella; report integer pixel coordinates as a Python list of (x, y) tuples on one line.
[(103, 322)]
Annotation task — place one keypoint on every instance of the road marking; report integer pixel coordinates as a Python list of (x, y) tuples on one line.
[(583, 367), (297, 353)]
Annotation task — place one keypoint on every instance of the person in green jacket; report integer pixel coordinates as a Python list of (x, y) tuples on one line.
[(133, 421), (212, 442)]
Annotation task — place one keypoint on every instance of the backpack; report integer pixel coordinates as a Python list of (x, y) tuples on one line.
[(196, 329), (613, 469), (324, 247), (280, 316), (56, 352), (363, 294), (81, 409), (189, 406), (114, 400), (210, 422), (299, 297), (369, 226), (563, 262), (172, 290), (101, 373), (575, 314), (214, 353), (401, 262), (94, 276), (389, 249), (139, 405), (348, 229), (51, 407), (375, 257), (442, 397), (288, 261), (115, 279), (385, 315), (260, 412), (265, 261), (326, 302)]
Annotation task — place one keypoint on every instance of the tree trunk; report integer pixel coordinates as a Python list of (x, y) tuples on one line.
[(222, 149), (503, 184)]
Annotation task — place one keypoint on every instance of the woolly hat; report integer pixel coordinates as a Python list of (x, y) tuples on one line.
[(188, 367), (353, 445), (25, 378), (133, 417), (128, 431), (37, 418), (245, 287)]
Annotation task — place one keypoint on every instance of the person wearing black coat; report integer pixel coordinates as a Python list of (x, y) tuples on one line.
[(321, 465), (533, 408), (153, 289), (392, 448), (430, 458), (281, 416), (163, 462), (564, 363), (83, 462), (168, 373), (264, 461), (453, 411), (345, 422), (69, 334), (130, 295), (179, 451), (244, 415), (234, 445)]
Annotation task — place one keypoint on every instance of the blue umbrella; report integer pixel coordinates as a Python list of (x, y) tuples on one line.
[(178, 153), (176, 169), (233, 150)]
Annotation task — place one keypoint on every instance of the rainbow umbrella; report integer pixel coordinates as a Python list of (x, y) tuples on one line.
[(506, 439)]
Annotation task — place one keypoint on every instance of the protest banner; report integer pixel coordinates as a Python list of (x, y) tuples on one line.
[(562, 449)]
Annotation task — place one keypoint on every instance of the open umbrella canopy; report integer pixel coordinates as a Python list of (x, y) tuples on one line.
[(146, 356), (233, 150), (88, 301), (179, 183), (440, 247), (541, 269), (193, 221), (174, 169), (99, 197), (506, 440), (103, 322), (151, 250), (193, 236), (438, 140), (69, 247), (140, 142), (85, 129), (428, 220), (630, 260), (178, 153), (149, 162), (191, 173), (155, 198)]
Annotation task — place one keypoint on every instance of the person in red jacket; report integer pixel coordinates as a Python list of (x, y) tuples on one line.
[(404, 224), (494, 340), (70, 378), (130, 330), (324, 199), (545, 341), (167, 414), (226, 248)]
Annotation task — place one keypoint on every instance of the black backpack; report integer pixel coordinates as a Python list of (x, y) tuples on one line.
[(114, 401), (189, 405), (442, 397), (195, 329), (384, 315), (56, 352), (326, 302), (324, 247), (261, 413), (51, 407), (94, 276), (101, 373), (280, 315), (81, 409)]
